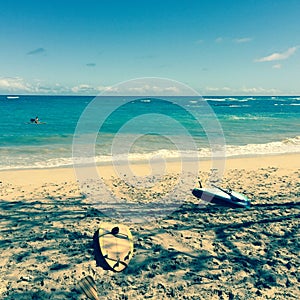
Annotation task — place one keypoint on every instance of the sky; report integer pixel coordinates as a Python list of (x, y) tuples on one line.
[(83, 47)]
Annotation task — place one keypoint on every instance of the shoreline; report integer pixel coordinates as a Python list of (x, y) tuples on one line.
[(194, 251), (286, 161)]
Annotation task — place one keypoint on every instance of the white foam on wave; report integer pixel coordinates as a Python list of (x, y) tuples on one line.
[(236, 105), (39, 164), (231, 99), (216, 99), (286, 104), (246, 117), (289, 145), (249, 98)]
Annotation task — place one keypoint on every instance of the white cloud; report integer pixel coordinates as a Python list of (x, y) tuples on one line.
[(222, 91), (14, 84), (125, 90), (259, 91), (17, 85), (243, 40), (82, 88), (278, 56), (142, 90), (277, 66), (218, 89), (146, 87)]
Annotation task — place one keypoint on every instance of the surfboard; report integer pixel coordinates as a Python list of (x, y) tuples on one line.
[(222, 197), (115, 245), (87, 285)]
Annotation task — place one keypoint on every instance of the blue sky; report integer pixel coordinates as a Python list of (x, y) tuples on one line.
[(216, 47)]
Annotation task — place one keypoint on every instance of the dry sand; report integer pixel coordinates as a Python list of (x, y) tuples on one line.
[(196, 252)]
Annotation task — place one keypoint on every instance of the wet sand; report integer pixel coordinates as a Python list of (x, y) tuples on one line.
[(198, 251)]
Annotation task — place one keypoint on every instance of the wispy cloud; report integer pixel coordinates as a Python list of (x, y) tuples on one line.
[(278, 55), (17, 85), (259, 91), (141, 89), (36, 51), (14, 84), (243, 40), (277, 66), (91, 65), (241, 91), (84, 89), (219, 40), (199, 42), (218, 89), (144, 90)]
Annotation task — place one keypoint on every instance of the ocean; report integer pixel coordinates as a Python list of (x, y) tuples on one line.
[(144, 128)]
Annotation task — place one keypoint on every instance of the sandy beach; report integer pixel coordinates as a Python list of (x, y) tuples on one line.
[(195, 252)]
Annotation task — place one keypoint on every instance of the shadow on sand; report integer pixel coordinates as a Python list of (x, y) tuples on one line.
[(44, 240)]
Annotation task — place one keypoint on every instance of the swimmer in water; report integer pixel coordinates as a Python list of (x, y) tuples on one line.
[(36, 120)]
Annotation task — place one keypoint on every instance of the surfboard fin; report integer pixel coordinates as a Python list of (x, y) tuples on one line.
[(116, 264), (127, 256)]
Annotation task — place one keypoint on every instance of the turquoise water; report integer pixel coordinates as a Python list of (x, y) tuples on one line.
[(152, 127)]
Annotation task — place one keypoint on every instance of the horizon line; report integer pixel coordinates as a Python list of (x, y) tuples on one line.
[(82, 95)]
